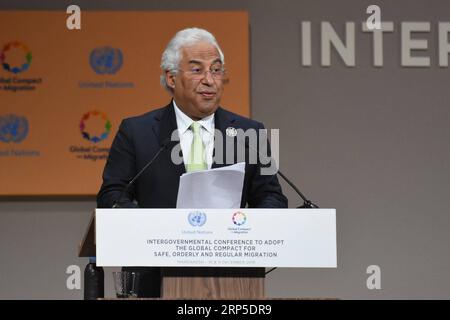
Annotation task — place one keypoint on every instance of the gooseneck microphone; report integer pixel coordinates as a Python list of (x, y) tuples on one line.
[(164, 145), (306, 203)]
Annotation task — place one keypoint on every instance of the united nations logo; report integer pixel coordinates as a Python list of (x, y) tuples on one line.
[(13, 128), (197, 218), (106, 60)]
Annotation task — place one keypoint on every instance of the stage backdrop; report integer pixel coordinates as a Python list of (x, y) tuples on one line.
[(64, 92)]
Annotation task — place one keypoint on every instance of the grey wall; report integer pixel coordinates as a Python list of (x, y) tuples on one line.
[(371, 142)]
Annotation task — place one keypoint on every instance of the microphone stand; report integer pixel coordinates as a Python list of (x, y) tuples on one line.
[(306, 203), (163, 146)]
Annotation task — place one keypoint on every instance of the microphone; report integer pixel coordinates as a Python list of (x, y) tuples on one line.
[(164, 145), (306, 202)]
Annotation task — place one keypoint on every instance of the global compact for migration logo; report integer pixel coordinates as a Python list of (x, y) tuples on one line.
[(15, 58), (239, 220), (106, 61), (90, 116), (94, 127), (26, 57)]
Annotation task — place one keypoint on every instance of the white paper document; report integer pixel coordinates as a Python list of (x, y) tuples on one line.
[(214, 188)]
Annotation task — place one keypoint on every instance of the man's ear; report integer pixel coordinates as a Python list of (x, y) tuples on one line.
[(170, 79)]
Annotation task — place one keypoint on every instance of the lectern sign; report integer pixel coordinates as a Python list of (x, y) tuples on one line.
[(216, 237)]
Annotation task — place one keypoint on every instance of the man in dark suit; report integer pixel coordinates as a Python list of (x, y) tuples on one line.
[(193, 73)]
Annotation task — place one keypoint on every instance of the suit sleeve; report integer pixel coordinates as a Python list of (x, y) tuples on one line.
[(120, 168), (265, 190)]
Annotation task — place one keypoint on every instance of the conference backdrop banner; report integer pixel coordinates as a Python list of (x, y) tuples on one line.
[(63, 93)]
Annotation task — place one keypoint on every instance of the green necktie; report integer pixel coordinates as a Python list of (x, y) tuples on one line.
[(196, 160)]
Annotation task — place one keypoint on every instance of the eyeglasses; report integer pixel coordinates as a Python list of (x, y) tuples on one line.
[(198, 73)]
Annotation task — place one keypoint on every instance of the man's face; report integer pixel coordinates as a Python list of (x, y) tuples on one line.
[(196, 92)]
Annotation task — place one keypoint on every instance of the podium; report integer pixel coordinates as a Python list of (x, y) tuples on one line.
[(212, 253)]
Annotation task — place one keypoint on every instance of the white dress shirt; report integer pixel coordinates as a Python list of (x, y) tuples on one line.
[(186, 134)]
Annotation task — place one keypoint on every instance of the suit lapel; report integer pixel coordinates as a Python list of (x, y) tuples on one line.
[(222, 121), (167, 125)]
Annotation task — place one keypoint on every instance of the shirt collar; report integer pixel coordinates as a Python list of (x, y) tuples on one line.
[(184, 122)]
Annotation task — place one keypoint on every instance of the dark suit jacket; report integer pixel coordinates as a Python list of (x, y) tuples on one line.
[(136, 143), (138, 140)]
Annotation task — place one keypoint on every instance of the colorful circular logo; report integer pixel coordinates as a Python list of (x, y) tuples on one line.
[(197, 218), (90, 116), (106, 60), (13, 128), (27, 57), (239, 218)]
